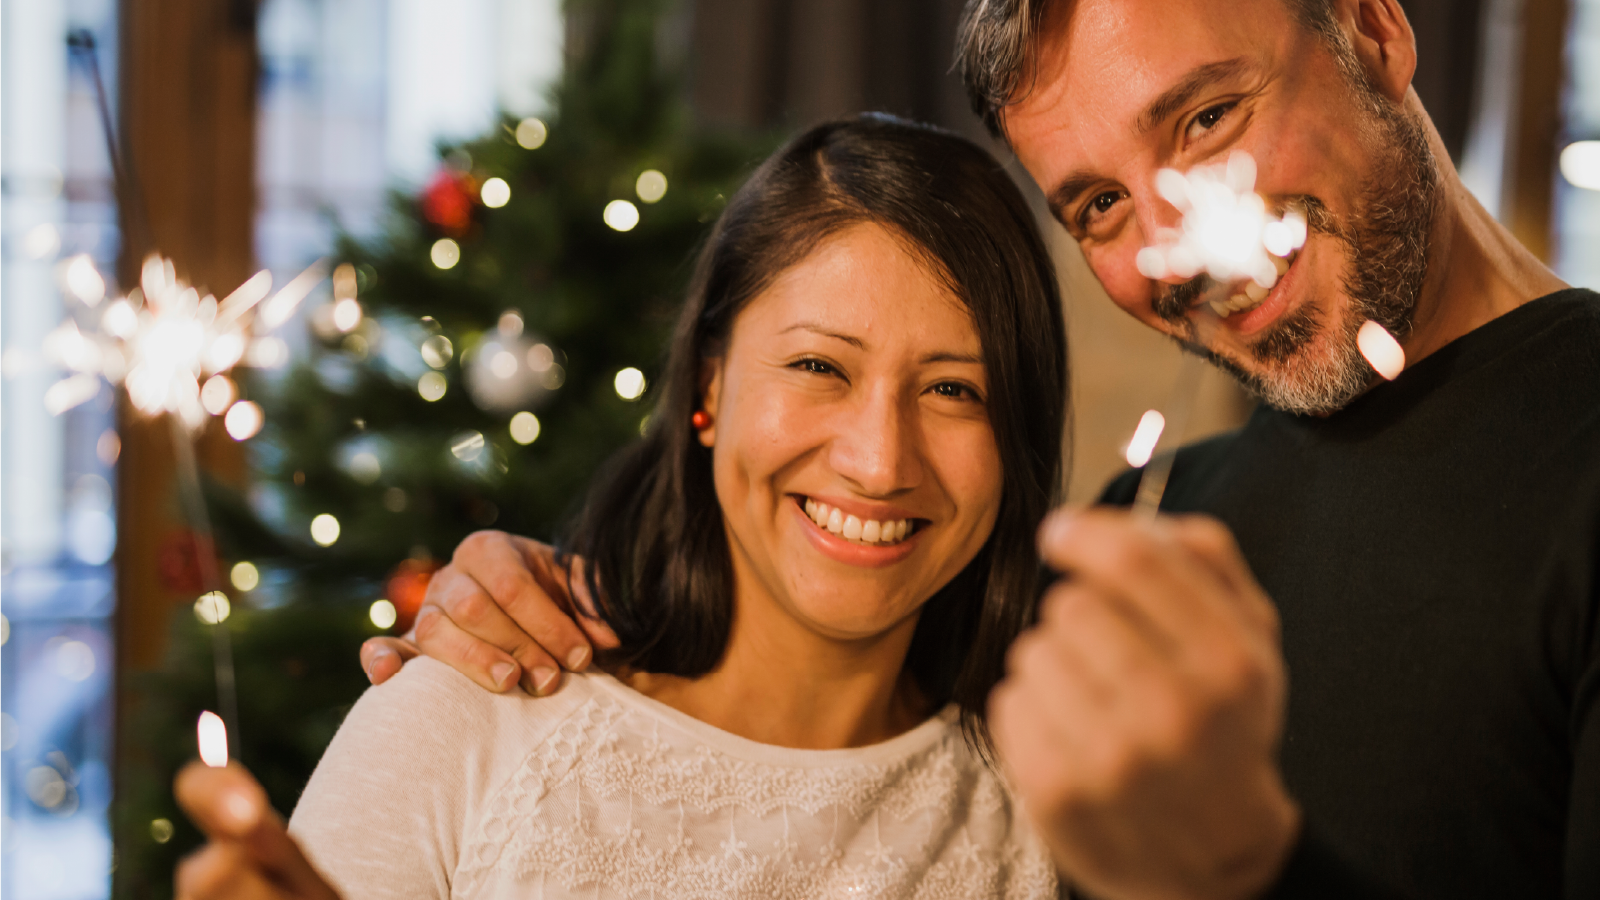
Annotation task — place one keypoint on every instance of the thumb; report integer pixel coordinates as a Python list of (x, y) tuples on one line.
[(230, 807)]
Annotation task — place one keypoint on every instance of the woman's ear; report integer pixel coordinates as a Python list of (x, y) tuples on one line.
[(710, 394)]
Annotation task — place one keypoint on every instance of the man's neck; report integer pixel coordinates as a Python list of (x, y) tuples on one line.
[(779, 684), (1477, 271)]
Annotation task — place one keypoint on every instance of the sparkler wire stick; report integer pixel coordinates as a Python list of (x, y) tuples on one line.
[(194, 502), (1180, 406)]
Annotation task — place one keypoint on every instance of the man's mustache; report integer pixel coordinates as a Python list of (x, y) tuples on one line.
[(1173, 303)]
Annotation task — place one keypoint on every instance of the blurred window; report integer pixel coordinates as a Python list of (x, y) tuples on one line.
[(59, 518), (1578, 184)]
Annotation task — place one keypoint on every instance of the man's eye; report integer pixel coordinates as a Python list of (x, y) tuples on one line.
[(1208, 118), (1100, 205)]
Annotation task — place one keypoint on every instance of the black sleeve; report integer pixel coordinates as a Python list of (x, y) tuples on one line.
[(1582, 852), (1316, 872), (1121, 490)]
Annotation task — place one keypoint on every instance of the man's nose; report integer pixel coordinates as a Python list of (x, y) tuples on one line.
[(1157, 220), (876, 447)]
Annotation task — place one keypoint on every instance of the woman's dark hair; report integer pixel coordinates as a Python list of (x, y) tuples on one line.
[(652, 527)]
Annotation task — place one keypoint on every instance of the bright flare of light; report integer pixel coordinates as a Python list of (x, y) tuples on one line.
[(621, 215), (1580, 164), (436, 351), (629, 383), (1227, 231), (531, 134), (245, 576), (496, 193), (74, 660), (84, 281), (325, 530), (524, 428), (503, 364), (467, 446), (42, 241), (213, 608), (346, 314), (445, 253), (243, 420), (165, 340), (541, 357), (431, 386), (1145, 438), (69, 392), (383, 614), (651, 186), (510, 323), (1381, 350), (217, 394), (213, 739)]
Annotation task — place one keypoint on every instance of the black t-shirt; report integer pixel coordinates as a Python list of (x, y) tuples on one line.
[(1432, 549)]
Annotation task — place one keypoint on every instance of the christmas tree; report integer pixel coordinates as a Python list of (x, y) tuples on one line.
[(473, 367)]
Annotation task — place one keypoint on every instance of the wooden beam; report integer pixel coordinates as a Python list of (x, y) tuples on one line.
[(1530, 178)]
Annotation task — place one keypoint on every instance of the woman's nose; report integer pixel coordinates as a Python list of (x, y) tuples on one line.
[(876, 447)]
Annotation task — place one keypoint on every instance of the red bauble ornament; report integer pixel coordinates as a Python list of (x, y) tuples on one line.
[(449, 201), (178, 563), (407, 585)]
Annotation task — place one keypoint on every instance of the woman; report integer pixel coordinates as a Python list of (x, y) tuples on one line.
[(814, 561)]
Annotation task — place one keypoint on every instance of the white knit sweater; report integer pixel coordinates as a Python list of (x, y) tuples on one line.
[(436, 788)]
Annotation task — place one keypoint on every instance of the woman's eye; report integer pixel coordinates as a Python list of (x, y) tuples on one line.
[(955, 390), (814, 366)]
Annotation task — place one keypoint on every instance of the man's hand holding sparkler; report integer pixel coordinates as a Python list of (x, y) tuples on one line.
[(1140, 720), (250, 855)]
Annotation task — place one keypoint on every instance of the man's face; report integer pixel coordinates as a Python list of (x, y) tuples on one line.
[(1124, 88)]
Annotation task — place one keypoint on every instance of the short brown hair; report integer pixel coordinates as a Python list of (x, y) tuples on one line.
[(995, 39)]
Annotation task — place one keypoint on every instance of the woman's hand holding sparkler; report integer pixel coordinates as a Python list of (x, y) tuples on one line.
[(503, 611), (250, 856), (1140, 720)]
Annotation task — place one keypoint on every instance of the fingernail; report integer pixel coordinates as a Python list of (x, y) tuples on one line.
[(578, 658), (501, 672), (242, 810), (544, 679)]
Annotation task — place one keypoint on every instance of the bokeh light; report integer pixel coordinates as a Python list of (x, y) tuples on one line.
[(245, 576), (496, 193), (467, 446), (74, 660), (244, 420), (1145, 437), (217, 394), (531, 133), (629, 383), (651, 186), (524, 428), (437, 351), (1381, 350), (325, 530), (213, 608), (621, 215), (1580, 164), (346, 314), (383, 614), (212, 736), (431, 386), (161, 830), (445, 253), (84, 281)]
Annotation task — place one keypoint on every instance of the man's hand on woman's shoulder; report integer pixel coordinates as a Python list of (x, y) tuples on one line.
[(503, 612)]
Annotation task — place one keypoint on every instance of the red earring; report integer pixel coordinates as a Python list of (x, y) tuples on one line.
[(701, 420)]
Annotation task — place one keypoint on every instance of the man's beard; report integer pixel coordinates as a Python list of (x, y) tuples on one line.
[(1386, 260)]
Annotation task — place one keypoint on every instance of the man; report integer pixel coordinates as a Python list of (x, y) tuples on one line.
[(1429, 544)]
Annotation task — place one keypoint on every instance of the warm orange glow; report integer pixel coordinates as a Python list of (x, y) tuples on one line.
[(1382, 351)]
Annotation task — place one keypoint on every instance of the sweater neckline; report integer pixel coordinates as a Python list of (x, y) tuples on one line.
[(902, 746)]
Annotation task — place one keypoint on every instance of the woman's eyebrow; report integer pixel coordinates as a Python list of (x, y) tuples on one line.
[(818, 329), (947, 356)]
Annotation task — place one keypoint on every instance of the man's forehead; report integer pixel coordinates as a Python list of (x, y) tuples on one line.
[(1100, 64)]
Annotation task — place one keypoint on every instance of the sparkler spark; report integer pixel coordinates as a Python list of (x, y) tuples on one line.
[(212, 735), (1381, 350), (1227, 231), (162, 340)]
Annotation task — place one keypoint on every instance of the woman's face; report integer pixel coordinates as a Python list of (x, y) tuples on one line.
[(853, 456)]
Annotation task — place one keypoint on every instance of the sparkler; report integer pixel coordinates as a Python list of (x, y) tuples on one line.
[(1228, 233), (159, 343)]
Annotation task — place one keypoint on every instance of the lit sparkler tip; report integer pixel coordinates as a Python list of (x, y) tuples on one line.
[(1143, 444), (1381, 350), (213, 738), (283, 304)]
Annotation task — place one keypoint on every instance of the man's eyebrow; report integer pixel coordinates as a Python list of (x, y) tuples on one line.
[(818, 329), (1068, 191), (1179, 95)]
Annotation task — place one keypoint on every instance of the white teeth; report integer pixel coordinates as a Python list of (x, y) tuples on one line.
[(854, 528), (1255, 291), (1221, 308), (1282, 263)]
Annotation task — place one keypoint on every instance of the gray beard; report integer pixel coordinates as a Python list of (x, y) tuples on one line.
[(1308, 362)]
